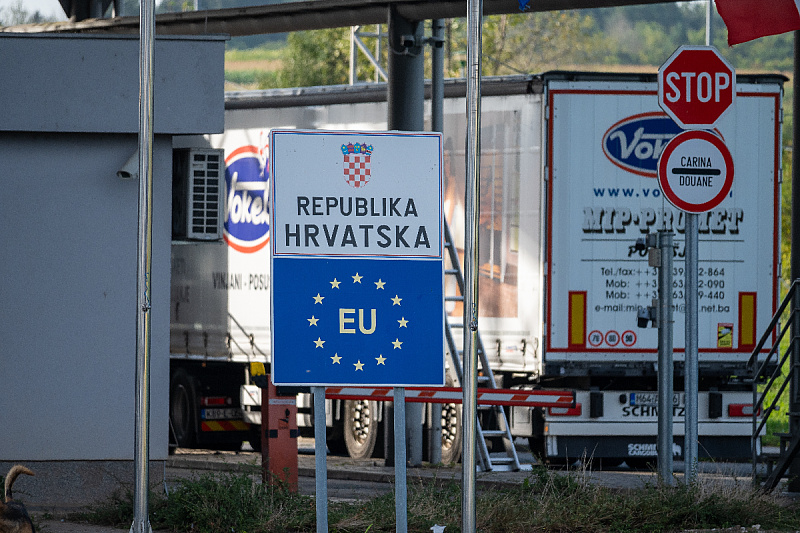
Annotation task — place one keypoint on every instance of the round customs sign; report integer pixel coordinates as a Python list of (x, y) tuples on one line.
[(695, 171)]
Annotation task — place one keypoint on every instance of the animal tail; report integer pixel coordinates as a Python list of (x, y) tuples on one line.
[(12, 475)]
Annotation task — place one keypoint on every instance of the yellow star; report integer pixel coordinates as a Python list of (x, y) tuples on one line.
[(335, 283), (403, 322), (312, 321), (319, 342), (396, 300), (336, 359), (379, 284), (397, 344), (359, 365), (318, 299), (380, 360), (357, 278)]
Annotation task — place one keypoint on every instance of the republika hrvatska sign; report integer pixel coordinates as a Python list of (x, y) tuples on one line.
[(357, 271)]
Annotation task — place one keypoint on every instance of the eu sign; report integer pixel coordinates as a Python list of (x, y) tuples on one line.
[(357, 271)]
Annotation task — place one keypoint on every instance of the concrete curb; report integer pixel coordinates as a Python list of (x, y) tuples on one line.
[(355, 471)]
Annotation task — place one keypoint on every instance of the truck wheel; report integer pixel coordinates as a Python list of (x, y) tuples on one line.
[(182, 409), (360, 428), (451, 433), (537, 448), (254, 437)]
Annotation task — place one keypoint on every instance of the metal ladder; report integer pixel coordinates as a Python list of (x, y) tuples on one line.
[(767, 376), (494, 415)]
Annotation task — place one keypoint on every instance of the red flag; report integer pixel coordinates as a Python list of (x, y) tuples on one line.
[(750, 19)]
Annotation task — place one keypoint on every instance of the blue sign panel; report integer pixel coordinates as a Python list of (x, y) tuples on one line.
[(358, 321), (357, 270)]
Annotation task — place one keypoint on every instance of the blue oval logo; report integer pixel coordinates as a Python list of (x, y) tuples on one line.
[(635, 143), (246, 226)]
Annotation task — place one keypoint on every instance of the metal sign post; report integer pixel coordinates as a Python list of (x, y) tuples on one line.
[(141, 522), (320, 459), (471, 260), (678, 176), (665, 368), (691, 356), (695, 188), (690, 366), (400, 485)]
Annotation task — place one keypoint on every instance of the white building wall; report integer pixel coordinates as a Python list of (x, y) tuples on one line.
[(68, 293)]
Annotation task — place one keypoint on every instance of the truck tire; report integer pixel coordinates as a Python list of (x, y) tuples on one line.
[(360, 428), (254, 437), (334, 436), (183, 409), (451, 433), (537, 449)]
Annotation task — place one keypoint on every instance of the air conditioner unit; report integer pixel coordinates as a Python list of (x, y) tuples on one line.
[(197, 184)]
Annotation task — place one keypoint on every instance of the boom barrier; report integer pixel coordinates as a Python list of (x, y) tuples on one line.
[(516, 397)]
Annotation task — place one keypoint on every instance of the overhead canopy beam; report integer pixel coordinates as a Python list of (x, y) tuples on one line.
[(308, 15)]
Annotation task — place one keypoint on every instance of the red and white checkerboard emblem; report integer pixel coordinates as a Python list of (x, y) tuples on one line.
[(357, 159), (356, 169)]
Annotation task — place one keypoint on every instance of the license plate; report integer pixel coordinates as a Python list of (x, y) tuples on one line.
[(651, 399), (221, 414)]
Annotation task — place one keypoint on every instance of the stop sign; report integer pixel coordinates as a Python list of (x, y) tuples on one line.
[(696, 85)]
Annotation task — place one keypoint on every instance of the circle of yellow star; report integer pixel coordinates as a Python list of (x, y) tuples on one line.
[(397, 343), (359, 366), (312, 321), (357, 278), (396, 300), (379, 284), (403, 322), (380, 360), (336, 359), (318, 299), (335, 283), (319, 342)]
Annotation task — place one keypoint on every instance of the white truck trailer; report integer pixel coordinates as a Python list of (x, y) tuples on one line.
[(567, 186)]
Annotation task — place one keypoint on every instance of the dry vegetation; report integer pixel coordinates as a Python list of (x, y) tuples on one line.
[(546, 501)]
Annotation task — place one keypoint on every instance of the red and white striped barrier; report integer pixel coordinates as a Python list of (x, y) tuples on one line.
[(524, 398)]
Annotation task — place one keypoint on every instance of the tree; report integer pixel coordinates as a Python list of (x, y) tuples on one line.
[(511, 44), (526, 43), (17, 14), (320, 57), (535, 42)]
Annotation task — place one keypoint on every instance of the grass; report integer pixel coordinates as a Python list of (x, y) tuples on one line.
[(778, 421), (249, 79), (252, 68), (261, 53), (545, 502)]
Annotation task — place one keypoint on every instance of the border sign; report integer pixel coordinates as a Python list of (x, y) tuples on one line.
[(695, 171), (357, 258)]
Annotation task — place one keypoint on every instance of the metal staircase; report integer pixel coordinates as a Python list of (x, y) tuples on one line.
[(766, 373), (492, 424)]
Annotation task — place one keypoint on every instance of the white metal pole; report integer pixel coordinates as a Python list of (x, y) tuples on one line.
[(141, 521), (665, 360), (690, 366), (320, 459), (470, 370), (400, 482), (437, 124), (691, 357), (353, 52)]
